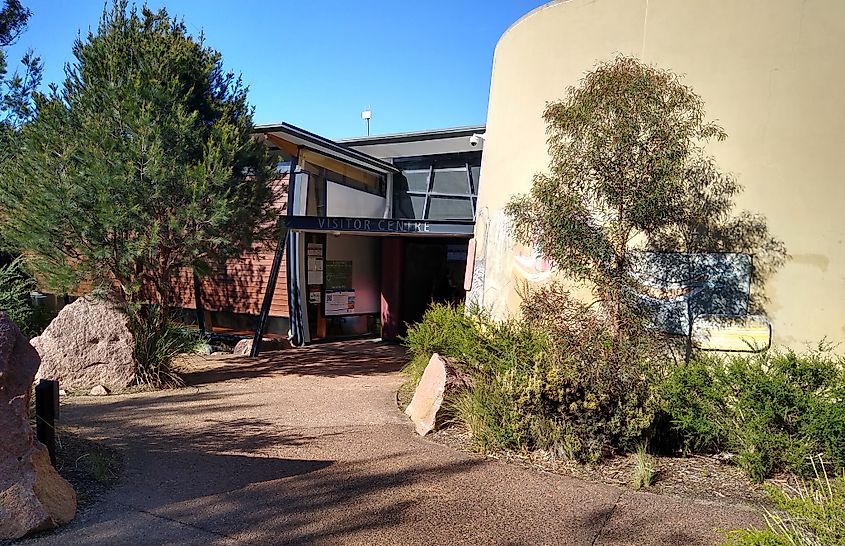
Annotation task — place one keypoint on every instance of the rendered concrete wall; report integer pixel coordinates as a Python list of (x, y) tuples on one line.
[(769, 71)]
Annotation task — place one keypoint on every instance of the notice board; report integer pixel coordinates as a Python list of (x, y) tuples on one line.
[(338, 274)]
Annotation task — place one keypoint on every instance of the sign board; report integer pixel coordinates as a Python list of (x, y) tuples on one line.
[(314, 294), (338, 274), (315, 264), (339, 302), (381, 225)]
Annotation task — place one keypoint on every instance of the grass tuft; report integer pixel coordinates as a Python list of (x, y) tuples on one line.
[(644, 469)]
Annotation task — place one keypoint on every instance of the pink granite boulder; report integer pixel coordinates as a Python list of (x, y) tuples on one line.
[(88, 344), (33, 497)]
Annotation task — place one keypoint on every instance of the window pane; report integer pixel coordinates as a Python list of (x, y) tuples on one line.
[(417, 180), (451, 181), (409, 206), (476, 176), (442, 208)]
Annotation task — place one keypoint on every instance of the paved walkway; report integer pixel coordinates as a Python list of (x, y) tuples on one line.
[(307, 446)]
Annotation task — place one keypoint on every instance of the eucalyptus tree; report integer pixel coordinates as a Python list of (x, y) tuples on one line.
[(628, 171)]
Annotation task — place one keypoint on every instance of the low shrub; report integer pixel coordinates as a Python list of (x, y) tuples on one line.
[(157, 342), (812, 514), (561, 379), (16, 300), (773, 410)]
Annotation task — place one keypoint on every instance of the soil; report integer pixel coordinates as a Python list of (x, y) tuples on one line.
[(703, 477), (90, 467)]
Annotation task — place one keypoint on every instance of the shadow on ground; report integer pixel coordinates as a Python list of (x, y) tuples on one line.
[(360, 357)]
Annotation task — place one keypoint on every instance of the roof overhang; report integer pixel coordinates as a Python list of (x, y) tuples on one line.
[(290, 139)]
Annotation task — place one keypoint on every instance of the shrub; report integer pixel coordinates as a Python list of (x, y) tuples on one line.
[(812, 514), (444, 329), (16, 301), (157, 342), (560, 379), (772, 409)]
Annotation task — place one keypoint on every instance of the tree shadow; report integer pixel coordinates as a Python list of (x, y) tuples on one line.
[(347, 358)]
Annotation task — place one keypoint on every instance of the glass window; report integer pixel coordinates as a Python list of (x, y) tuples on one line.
[(451, 181), (444, 208), (476, 176), (417, 180)]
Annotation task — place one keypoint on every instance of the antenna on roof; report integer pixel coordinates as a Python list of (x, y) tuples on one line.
[(366, 115)]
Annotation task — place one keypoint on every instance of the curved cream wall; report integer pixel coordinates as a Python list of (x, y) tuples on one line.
[(771, 72)]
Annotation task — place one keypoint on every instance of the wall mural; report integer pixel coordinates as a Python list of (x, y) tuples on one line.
[(704, 296)]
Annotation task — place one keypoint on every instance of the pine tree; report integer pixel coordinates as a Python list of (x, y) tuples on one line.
[(141, 163)]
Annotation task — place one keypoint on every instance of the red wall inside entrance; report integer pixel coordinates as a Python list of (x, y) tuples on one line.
[(391, 284)]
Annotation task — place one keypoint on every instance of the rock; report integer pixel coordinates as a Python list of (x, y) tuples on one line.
[(98, 390), (33, 497), (205, 349), (244, 346), (440, 378), (87, 344)]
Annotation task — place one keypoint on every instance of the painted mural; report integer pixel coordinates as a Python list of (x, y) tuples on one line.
[(704, 296)]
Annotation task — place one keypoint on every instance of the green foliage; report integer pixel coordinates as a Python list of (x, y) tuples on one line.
[(813, 514), (157, 342), (16, 302), (444, 329), (643, 470), (15, 90), (628, 173), (559, 380), (772, 409), (141, 163), (619, 144)]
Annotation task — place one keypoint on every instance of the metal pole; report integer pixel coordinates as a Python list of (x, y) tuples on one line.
[(198, 302), (274, 271), (46, 414)]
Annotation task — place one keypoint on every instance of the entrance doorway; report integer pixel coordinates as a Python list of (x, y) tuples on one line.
[(432, 271)]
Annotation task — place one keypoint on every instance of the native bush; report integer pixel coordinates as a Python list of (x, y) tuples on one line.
[(562, 378), (16, 302), (157, 342), (811, 514), (772, 409)]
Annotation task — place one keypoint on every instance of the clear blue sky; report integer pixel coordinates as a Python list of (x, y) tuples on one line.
[(318, 63)]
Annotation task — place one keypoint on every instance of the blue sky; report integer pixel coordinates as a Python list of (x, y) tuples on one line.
[(318, 63)]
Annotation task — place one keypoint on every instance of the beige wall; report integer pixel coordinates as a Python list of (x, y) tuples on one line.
[(771, 72)]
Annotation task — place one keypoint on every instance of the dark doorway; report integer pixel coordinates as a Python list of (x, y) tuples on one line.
[(433, 271)]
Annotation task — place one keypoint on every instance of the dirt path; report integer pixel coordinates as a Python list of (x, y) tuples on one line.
[(307, 446)]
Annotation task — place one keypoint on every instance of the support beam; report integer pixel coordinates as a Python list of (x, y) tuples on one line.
[(198, 304), (274, 270)]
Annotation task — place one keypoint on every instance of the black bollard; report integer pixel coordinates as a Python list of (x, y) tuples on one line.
[(46, 414)]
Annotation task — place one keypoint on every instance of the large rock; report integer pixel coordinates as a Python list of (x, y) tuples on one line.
[(88, 344), (244, 346), (33, 496), (440, 379)]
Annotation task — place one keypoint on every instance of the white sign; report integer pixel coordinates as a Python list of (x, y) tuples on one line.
[(340, 302)]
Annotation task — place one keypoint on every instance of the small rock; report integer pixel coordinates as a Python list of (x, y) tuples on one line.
[(440, 378), (205, 349), (244, 346), (62, 392), (99, 390)]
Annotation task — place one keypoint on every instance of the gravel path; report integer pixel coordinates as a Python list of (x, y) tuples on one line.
[(307, 446)]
